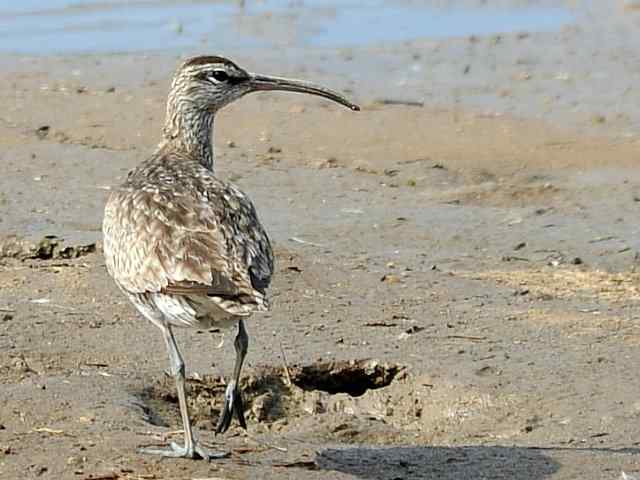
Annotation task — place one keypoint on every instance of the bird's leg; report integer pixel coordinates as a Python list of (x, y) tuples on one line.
[(232, 397), (191, 449)]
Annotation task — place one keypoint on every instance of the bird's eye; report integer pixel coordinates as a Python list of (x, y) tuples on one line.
[(219, 75)]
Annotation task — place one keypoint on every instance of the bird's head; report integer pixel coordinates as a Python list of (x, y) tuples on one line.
[(211, 82)]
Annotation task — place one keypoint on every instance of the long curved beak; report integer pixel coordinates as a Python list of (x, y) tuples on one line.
[(263, 82)]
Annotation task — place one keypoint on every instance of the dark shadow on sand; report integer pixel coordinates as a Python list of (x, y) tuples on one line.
[(412, 463)]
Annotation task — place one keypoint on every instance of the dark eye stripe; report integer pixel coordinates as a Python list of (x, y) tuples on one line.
[(220, 75)]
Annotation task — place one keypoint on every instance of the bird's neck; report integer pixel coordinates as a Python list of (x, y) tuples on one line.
[(190, 130)]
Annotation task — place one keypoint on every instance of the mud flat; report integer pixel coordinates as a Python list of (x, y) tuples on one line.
[(457, 293)]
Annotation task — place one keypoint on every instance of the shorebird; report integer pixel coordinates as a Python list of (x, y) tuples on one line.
[(185, 247)]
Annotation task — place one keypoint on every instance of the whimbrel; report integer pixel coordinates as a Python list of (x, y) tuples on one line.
[(185, 247)]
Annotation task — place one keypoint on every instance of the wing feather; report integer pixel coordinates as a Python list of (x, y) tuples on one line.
[(173, 227)]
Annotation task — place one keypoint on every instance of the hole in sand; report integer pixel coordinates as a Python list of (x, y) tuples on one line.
[(354, 377), (269, 396)]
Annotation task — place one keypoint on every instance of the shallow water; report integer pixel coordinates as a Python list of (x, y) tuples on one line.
[(84, 26)]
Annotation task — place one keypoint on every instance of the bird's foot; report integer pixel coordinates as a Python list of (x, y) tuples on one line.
[(233, 404), (195, 452)]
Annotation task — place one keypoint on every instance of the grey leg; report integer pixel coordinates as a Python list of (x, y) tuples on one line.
[(232, 397), (191, 449)]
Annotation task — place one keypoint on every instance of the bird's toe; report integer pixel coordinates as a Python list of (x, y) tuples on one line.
[(174, 450)]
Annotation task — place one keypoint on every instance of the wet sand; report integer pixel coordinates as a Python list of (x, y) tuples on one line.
[(472, 231)]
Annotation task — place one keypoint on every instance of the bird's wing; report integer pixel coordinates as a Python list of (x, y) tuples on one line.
[(187, 233)]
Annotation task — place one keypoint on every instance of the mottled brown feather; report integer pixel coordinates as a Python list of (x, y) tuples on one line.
[(172, 227)]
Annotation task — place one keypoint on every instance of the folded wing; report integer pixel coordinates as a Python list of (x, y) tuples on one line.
[(161, 237)]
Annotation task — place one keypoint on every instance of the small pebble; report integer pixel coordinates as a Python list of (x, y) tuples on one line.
[(390, 278)]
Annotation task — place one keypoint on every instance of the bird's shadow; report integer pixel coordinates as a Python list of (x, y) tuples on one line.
[(412, 463)]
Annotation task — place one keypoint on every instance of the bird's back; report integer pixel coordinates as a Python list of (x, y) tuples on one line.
[(173, 229)]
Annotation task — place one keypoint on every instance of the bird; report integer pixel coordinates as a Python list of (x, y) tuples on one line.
[(187, 248)]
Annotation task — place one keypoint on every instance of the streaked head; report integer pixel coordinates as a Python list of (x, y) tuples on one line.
[(211, 82)]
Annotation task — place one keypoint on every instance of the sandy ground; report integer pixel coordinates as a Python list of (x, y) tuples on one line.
[(471, 262)]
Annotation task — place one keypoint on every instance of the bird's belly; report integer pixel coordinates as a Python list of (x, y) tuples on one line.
[(192, 311)]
